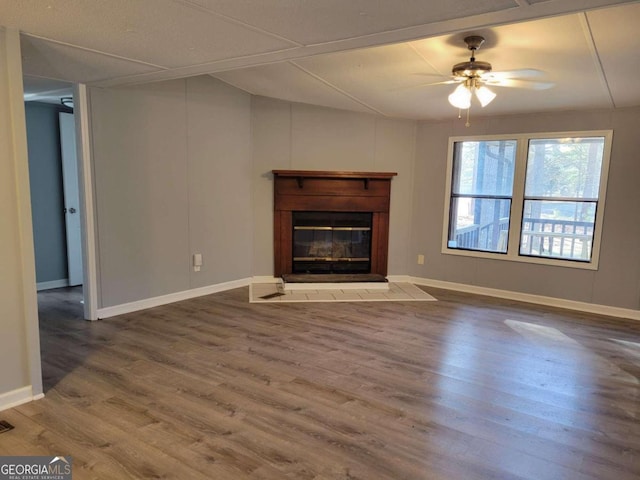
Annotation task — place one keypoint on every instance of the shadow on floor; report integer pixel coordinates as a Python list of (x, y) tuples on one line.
[(65, 337)]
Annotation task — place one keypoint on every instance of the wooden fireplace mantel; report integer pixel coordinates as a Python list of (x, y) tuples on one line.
[(331, 191), (301, 175)]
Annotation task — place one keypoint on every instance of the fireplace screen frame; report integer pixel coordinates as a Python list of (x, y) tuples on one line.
[(331, 242)]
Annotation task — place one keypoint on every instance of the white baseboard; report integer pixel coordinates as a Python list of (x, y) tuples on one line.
[(529, 298), (170, 298), (63, 282), (399, 278), (265, 279), (491, 292), (18, 397)]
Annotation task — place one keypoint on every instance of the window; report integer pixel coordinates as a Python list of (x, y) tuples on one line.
[(532, 198), (481, 193)]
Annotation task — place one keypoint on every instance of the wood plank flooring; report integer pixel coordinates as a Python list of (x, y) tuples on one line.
[(468, 387)]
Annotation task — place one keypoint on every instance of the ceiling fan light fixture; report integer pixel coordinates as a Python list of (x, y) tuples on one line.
[(461, 97), (484, 95)]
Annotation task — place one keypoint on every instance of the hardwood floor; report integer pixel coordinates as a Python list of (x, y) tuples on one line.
[(468, 387)]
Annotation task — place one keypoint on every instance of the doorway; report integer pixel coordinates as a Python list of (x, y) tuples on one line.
[(59, 169)]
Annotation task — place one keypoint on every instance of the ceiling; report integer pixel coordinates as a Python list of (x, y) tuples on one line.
[(359, 55)]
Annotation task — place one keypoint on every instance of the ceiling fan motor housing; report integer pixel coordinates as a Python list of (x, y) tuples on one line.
[(473, 42), (472, 68)]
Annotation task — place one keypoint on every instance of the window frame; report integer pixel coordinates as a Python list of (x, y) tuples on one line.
[(518, 198)]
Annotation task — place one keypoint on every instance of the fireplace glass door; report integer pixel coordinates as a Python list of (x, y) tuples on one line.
[(331, 242)]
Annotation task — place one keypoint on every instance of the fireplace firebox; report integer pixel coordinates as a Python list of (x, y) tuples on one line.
[(331, 242), (331, 222)]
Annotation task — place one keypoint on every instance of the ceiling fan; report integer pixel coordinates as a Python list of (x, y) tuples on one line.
[(474, 76)]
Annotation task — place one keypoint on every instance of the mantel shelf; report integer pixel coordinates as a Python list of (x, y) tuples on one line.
[(331, 174), (301, 175)]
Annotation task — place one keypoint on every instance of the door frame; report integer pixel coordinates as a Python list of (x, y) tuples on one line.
[(87, 201)]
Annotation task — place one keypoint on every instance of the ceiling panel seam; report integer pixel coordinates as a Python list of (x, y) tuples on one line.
[(431, 65), (207, 68), (226, 18), (338, 89), (602, 76), (244, 89), (99, 52)]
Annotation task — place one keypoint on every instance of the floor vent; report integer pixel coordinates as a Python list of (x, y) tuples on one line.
[(5, 426)]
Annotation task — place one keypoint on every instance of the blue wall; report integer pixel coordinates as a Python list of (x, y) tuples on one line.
[(47, 198)]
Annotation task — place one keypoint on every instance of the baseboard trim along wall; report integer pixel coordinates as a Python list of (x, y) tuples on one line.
[(266, 279), (170, 298), (460, 287), (63, 282), (18, 397), (529, 298)]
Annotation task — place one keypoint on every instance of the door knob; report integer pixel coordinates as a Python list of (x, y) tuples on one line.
[(72, 210)]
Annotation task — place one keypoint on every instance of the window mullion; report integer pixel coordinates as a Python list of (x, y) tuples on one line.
[(561, 199), (474, 195), (517, 204)]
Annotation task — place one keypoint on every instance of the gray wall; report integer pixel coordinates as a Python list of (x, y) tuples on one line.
[(304, 137), (47, 197), (617, 281), (172, 178), (185, 166)]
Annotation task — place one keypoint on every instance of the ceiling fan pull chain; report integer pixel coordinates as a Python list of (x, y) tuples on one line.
[(468, 123)]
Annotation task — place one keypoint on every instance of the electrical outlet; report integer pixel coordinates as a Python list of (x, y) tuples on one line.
[(420, 259), (197, 262)]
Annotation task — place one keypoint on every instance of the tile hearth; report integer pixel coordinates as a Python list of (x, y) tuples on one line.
[(274, 293)]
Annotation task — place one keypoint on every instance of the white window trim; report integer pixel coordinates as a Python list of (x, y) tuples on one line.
[(517, 202)]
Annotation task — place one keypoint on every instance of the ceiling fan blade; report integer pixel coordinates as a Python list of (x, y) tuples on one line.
[(445, 82), (518, 73), (518, 83), (421, 85)]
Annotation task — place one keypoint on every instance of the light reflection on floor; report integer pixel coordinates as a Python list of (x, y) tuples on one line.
[(579, 362), (553, 377), (630, 348)]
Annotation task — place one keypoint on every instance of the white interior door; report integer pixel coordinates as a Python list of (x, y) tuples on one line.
[(71, 197)]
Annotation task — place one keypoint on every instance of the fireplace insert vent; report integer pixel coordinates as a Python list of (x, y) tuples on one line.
[(331, 242)]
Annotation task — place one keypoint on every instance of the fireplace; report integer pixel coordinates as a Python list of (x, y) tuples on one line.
[(331, 222)]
